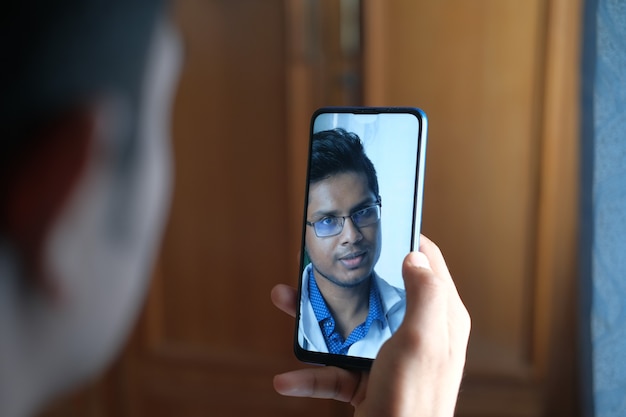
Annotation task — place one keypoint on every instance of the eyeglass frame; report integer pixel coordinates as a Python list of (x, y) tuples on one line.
[(378, 204)]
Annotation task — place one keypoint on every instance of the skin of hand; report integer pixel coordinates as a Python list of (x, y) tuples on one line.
[(418, 371)]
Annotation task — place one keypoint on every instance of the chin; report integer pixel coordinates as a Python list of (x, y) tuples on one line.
[(352, 282)]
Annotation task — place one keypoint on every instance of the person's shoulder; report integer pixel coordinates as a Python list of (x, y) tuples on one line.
[(393, 300), (384, 287), (382, 282)]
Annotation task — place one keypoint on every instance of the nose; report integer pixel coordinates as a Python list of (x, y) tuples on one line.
[(350, 233)]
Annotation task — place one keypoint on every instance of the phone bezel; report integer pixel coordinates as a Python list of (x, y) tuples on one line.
[(344, 361)]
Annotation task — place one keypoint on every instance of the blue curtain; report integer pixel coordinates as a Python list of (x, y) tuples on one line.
[(603, 209)]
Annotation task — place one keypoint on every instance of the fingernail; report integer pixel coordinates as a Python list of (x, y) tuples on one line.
[(421, 260), (285, 386)]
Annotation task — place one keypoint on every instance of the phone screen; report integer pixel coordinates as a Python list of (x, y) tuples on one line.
[(362, 215)]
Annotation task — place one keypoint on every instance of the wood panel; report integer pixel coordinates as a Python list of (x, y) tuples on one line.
[(211, 340), (498, 80)]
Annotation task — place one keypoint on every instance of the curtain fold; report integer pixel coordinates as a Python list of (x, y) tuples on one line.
[(603, 209)]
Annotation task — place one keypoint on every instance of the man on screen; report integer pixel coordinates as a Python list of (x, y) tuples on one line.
[(346, 307)]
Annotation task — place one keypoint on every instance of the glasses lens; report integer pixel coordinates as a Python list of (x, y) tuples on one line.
[(328, 226), (367, 216)]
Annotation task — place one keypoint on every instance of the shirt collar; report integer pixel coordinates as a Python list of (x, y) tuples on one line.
[(322, 313), (317, 301)]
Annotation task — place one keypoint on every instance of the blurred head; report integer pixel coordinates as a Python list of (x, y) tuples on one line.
[(85, 179), (343, 240)]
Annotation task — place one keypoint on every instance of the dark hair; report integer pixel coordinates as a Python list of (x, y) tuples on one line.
[(60, 53), (337, 151)]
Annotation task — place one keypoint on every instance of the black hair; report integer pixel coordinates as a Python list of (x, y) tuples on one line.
[(338, 151), (60, 53)]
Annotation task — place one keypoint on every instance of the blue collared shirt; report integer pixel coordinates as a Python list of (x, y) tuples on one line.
[(334, 341)]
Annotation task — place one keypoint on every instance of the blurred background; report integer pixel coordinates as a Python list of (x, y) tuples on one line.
[(499, 81)]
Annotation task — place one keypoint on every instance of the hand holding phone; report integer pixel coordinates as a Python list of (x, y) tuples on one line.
[(362, 216), (419, 370)]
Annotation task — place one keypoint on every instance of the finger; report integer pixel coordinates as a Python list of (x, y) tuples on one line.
[(420, 259), (458, 314), (426, 293), (438, 263), (285, 298), (327, 382), (435, 257)]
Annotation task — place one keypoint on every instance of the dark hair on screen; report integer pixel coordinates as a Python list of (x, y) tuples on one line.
[(337, 151)]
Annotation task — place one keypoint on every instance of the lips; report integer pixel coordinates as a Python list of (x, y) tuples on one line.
[(353, 260)]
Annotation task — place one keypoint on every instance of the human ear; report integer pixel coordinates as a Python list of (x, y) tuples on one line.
[(38, 180)]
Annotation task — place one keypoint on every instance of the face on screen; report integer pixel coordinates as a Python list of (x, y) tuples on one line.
[(362, 216), (343, 241)]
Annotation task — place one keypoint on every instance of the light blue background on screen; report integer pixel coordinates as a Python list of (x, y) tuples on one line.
[(391, 142)]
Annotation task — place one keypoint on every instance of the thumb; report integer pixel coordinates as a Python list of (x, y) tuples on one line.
[(425, 293), (417, 259)]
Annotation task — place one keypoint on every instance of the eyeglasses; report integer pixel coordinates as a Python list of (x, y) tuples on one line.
[(333, 225)]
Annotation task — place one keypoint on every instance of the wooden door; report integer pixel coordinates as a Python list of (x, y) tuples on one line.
[(498, 79)]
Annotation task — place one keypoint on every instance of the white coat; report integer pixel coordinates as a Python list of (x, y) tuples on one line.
[(393, 301)]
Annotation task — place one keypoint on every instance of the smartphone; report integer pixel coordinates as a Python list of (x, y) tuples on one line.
[(362, 216)]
